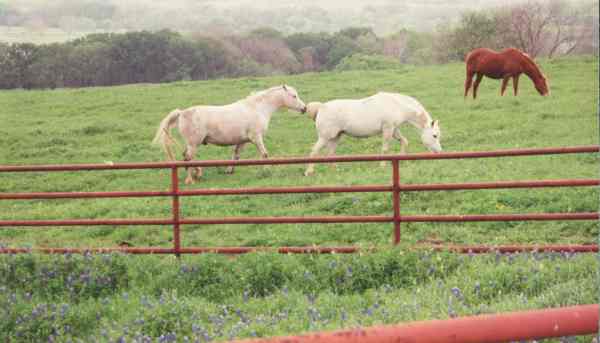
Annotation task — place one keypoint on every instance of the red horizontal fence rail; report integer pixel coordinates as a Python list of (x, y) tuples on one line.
[(396, 188), (507, 327)]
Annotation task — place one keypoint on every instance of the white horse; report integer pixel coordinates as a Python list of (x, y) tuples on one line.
[(244, 121), (381, 113)]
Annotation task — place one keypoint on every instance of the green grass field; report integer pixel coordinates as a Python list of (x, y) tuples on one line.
[(116, 124)]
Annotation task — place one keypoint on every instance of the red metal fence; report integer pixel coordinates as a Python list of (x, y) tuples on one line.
[(396, 188), (506, 327)]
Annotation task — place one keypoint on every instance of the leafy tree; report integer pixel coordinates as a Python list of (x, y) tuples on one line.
[(15, 65), (341, 46), (475, 30), (311, 49)]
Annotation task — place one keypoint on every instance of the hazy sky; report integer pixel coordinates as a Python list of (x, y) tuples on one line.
[(57, 20)]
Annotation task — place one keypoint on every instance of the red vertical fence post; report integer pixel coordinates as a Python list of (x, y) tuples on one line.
[(396, 196), (175, 191)]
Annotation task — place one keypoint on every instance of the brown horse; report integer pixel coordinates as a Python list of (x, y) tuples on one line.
[(503, 65)]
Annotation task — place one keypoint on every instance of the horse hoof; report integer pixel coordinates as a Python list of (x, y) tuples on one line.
[(189, 181), (229, 170), (308, 173)]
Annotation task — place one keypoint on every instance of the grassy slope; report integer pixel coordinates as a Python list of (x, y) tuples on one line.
[(116, 124), (291, 294)]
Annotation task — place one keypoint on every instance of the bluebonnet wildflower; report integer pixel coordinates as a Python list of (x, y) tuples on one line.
[(457, 293), (169, 337)]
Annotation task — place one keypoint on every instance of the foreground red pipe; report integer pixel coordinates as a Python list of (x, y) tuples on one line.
[(507, 327)]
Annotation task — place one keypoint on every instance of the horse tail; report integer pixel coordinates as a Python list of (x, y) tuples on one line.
[(163, 136)]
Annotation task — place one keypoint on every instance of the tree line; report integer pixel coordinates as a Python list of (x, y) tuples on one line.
[(540, 29)]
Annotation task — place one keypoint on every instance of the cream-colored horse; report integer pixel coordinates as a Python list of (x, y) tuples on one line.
[(381, 113), (244, 121)]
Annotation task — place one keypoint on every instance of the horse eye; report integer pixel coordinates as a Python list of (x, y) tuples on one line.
[(295, 97), (435, 136)]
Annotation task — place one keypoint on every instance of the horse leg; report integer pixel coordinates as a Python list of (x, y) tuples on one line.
[(516, 83), (331, 146), (388, 133), (188, 155), (504, 84), (310, 169), (260, 145), (236, 156), (468, 82), (403, 141), (476, 85)]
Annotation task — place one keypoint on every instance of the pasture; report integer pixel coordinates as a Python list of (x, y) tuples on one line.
[(291, 294)]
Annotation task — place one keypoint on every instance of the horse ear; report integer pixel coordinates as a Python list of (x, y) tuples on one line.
[(436, 123), (284, 87)]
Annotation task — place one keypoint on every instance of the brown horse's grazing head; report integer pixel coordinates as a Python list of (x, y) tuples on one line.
[(541, 84), (533, 71)]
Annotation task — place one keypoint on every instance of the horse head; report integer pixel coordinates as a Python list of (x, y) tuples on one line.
[(431, 135), (292, 100), (541, 85)]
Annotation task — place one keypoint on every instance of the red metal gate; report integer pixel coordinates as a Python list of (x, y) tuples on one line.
[(395, 187)]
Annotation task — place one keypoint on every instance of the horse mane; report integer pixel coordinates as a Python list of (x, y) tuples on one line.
[(257, 95), (529, 62)]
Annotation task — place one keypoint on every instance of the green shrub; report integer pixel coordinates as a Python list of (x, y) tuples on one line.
[(368, 62)]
